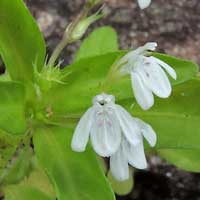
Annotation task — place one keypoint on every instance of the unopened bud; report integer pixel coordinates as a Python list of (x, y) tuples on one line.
[(82, 26)]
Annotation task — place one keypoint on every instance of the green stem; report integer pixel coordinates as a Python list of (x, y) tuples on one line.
[(112, 76), (66, 38), (57, 51)]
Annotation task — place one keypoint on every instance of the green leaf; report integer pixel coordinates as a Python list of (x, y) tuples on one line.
[(74, 175), (8, 146), (185, 69), (39, 180), (85, 80), (5, 77), (22, 192), (184, 159), (18, 168), (89, 77), (101, 41), (12, 108), (35, 186), (176, 119), (21, 43)]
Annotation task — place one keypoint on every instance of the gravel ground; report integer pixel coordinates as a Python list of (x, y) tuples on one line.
[(175, 25)]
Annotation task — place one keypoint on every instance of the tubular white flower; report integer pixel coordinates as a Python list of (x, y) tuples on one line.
[(148, 75), (144, 3), (105, 131), (104, 123), (130, 128), (114, 133), (82, 132), (119, 165), (130, 154)]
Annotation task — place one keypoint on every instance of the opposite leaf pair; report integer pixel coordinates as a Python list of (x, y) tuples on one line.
[(113, 131)]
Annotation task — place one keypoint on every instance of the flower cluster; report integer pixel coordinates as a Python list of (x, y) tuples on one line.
[(114, 133)]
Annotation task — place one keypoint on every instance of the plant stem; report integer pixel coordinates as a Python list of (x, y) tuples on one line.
[(66, 37), (112, 76), (57, 52)]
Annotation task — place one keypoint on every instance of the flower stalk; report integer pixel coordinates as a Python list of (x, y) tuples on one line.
[(75, 31)]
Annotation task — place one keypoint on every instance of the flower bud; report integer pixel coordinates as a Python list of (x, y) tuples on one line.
[(83, 25)]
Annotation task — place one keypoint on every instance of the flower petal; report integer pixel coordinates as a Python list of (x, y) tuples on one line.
[(82, 131), (127, 62), (144, 3), (155, 78), (148, 132), (130, 127), (150, 46), (105, 133), (119, 166), (142, 93), (135, 155), (168, 68), (133, 55)]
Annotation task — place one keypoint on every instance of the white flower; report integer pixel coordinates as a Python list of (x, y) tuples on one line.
[(144, 3), (148, 75), (114, 133), (104, 122), (133, 155)]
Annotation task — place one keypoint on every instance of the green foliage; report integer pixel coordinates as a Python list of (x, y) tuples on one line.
[(12, 108), (21, 43), (90, 76), (43, 184), (18, 168), (50, 112), (8, 146), (185, 159), (101, 41), (31, 188), (185, 69), (25, 193), (176, 119), (74, 175)]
